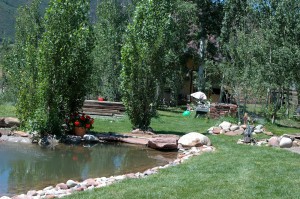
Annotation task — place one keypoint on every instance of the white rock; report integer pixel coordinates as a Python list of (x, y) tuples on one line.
[(194, 139), (121, 177), (210, 130), (286, 142), (234, 127), (257, 131), (259, 127), (222, 131), (5, 197), (48, 188), (225, 125), (71, 183), (208, 149)]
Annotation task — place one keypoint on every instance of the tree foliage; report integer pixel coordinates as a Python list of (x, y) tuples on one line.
[(21, 66), (65, 60), (112, 20), (155, 41), (262, 46)]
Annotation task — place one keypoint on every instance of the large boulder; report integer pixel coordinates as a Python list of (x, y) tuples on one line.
[(285, 142), (225, 125), (194, 139), (273, 141), (163, 143)]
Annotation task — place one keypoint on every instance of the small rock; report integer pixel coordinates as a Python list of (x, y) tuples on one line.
[(5, 197), (48, 188), (257, 131), (62, 186), (259, 127), (32, 193), (240, 141), (239, 132), (90, 138), (296, 143), (120, 177), (71, 183), (232, 133), (216, 130), (222, 131), (210, 130), (91, 182), (268, 133), (234, 127), (207, 149), (50, 196), (244, 126)]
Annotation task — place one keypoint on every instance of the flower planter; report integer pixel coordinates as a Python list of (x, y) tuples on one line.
[(79, 131)]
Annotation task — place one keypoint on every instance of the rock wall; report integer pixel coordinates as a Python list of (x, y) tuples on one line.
[(220, 109)]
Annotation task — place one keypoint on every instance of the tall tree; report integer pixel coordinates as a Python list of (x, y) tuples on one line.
[(263, 45), (155, 40), (111, 24), (65, 60), (22, 69)]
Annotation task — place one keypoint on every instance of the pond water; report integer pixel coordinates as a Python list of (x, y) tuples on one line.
[(25, 167)]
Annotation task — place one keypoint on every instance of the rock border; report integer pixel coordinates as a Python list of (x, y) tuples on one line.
[(64, 189), (199, 145)]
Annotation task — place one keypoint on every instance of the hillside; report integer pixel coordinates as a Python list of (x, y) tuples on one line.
[(8, 12)]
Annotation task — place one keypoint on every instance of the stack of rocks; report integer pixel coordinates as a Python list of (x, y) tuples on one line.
[(220, 109)]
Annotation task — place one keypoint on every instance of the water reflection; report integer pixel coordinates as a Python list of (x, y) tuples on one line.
[(26, 167)]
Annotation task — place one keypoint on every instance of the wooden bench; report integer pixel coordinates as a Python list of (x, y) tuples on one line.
[(103, 108)]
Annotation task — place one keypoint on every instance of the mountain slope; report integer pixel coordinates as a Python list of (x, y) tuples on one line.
[(8, 13)]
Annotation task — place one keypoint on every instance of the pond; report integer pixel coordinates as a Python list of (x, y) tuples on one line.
[(25, 167)]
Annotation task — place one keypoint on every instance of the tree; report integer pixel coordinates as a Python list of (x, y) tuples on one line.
[(154, 43), (65, 63), (209, 22), (21, 65), (263, 45), (110, 27)]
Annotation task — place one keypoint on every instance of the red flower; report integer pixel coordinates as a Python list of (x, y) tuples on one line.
[(82, 118), (76, 123), (92, 121), (87, 126)]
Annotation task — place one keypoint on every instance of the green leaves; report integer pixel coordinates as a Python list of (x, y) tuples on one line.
[(154, 46)]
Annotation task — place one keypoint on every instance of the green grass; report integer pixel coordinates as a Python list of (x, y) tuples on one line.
[(7, 110), (166, 123), (232, 171)]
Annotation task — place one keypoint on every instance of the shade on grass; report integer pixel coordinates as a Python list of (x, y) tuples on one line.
[(232, 171)]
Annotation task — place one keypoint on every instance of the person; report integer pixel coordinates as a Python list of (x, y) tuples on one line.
[(188, 107), (245, 118)]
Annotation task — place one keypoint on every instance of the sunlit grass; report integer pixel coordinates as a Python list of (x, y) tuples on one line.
[(233, 171), (7, 110)]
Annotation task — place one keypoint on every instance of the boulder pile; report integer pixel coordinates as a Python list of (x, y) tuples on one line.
[(228, 128)]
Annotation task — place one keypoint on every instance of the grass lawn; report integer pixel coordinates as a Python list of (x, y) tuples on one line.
[(7, 110), (232, 171)]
